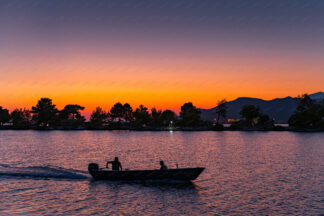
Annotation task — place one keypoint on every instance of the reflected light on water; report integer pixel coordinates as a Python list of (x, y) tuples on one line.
[(247, 173)]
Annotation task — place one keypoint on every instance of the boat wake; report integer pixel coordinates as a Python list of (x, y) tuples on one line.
[(43, 172)]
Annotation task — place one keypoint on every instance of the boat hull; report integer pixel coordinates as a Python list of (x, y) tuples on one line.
[(183, 174)]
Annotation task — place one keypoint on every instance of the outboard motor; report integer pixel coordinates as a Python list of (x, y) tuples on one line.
[(92, 167)]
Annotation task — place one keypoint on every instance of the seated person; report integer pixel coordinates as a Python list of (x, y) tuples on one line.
[(115, 164), (163, 166)]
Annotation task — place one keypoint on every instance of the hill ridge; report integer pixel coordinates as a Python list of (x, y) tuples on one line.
[(280, 109)]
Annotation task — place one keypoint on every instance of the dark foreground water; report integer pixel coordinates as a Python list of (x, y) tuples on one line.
[(247, 173)]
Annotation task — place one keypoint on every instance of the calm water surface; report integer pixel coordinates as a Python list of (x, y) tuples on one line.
[(247, 173)]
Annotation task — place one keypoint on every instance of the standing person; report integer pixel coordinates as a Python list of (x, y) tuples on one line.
[(115, 164), (163, 166)]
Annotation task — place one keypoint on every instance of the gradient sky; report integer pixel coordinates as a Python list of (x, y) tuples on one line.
[(158, 53)]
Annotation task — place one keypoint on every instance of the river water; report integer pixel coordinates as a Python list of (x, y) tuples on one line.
[(247, 173)]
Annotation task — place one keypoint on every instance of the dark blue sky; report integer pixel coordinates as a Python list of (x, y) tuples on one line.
[(258, 22), (193, 50)]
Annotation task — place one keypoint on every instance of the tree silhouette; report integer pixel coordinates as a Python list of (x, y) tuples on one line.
[(98, 117), (305, 103), (20, 118), (71, 115), (264, 122), (308, 115), (190, 115), (156, 117), (253, 117), (44, 113), (142, 116), (71, 112), (117, 111), (4, 116), (127, 112), (167, 116), (221, 110), (250, 113)]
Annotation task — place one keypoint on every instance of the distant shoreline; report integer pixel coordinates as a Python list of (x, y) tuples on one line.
[(189, 129), (307, 117)]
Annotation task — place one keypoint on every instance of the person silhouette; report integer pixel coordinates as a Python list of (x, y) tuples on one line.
[(163, 166), (115, 164)]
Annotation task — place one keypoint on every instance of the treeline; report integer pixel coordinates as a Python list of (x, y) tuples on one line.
[(45, 115), (309, 115)]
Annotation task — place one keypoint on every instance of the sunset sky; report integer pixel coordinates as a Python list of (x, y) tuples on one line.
[(158, 53)]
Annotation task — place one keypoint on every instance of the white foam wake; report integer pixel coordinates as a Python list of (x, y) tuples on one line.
[(42, 172)]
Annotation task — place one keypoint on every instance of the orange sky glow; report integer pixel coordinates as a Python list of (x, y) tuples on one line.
[(158, 55), (103, 81)]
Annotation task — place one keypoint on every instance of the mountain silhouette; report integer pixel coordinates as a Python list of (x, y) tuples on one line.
[(317, 96), (280, 109)]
